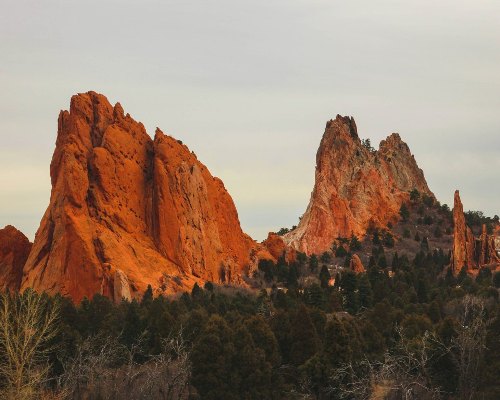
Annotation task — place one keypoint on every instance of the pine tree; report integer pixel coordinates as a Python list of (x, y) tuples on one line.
[(212, 356), (337, 346), (314, 296), (147, 297), (324, 276), (365, 292), (304, 340)]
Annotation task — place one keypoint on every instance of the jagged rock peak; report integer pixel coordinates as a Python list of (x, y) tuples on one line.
[(341, 121), (468, 251), (355, 187), (128, 209)]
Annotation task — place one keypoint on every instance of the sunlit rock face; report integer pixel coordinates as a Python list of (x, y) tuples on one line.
[(469, 251), (14, 250), (356, 187), (128, 210)]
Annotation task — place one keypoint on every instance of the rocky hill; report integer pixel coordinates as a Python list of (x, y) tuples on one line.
[(356, 187), (127, 211)]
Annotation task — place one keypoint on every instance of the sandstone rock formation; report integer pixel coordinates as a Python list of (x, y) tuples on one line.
[(14, 250), (469, 251), (121, 287), (463, 239), (278, 248), (355, 187), (128, 209), (356, 265)]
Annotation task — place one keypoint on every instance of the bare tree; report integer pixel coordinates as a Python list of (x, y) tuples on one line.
[(28, 324), (403, 374), (469, 344), (104, 368)]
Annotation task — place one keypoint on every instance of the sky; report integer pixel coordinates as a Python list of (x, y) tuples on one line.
[(249, 86)]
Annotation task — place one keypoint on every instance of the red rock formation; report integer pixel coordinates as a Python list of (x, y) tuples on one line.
[(127, 209), (14, 250), (356, 265), (488, 248), (355, 187), (278, 248), (463, 239), (467, 250)]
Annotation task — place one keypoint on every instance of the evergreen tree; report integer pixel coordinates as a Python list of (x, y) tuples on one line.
[(349, 286), (404, 212), (213, 373), (304, 340), (250, 369), (264, 339), (314, 295), (147, 297), (365, 292), (324, 276), (337, 346), (313, 263)]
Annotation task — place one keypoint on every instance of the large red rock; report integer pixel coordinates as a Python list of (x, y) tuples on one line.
[(355, 187), (469, 251), (127, 211), (14, 251)]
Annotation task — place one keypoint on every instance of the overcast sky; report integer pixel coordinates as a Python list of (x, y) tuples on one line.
[(249, 85)]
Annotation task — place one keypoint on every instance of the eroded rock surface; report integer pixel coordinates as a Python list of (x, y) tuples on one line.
[(121, 201), (468, 251), (14, 251), (355, 187)]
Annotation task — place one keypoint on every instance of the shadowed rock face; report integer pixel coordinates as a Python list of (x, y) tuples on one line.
[(14, 250), (128, 209), (469, 251), (355, 187)]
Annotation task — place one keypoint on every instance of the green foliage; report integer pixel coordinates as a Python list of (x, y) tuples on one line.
[(414, 195), (326, 257), (340, 251), (404, 212), (367, 144), (268, 343), (283, 231), (313, 263), (388, 239), (304, 338), (428, 200), (354, 243), (324, 276)]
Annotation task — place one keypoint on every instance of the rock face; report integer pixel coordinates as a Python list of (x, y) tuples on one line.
[(121, 287), (126, 208), (468, 251), (277, 248), (463, 239), (356, 265), (355, 187), (14, 251)]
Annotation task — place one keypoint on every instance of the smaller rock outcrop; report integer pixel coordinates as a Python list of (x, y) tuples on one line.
[(469, 251), (356, 265), (121, 287), (14, 250), (278, 248), (463, 239)]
